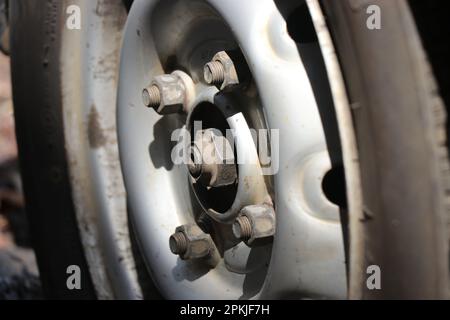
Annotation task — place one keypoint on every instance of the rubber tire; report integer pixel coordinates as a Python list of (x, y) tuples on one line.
[(400, 127), (35, 46)]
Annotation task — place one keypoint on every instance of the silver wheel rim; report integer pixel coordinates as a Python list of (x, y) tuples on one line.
[(93, 159), (307, 255)]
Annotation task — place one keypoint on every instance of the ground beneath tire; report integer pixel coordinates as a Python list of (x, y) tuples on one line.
[(19, 276)]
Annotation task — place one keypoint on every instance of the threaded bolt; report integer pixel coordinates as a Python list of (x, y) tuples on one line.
[(178, 243), (151, 97), (242, 228), (214, 73)]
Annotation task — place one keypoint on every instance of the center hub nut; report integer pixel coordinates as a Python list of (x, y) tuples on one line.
[(212, 159)]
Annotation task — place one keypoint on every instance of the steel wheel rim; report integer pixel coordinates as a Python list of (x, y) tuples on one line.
[(296, 268), (95, 174)]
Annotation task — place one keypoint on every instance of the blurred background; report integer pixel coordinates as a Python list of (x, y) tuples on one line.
[(19, 277)]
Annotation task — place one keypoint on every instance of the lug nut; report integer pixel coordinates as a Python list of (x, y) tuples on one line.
[(212, 159), (214, 73), (178, 243), (220, 71), (190, 242), (169, 93), (151, 97), (242, 228), (255, 225)]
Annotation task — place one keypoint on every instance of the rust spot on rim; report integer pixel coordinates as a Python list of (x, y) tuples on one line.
[(96, 136)]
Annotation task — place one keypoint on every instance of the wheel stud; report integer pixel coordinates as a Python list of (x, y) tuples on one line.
[(214, 73), (151, 97), (242, 228), (178, 243), (220, 71)]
